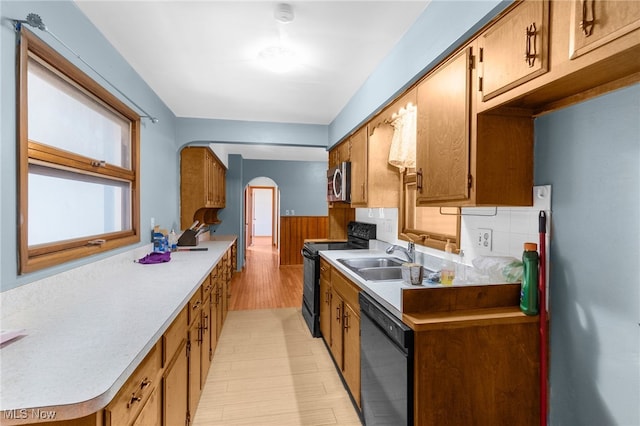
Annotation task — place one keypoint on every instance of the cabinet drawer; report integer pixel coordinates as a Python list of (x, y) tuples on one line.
[(325, 269), (346, 289), (173, 337), (195, 306), (207, 286), (134, 393)]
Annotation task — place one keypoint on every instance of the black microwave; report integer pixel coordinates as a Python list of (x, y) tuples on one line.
[(339, 183)]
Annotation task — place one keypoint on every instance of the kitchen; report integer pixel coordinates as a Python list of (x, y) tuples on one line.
[(594, 334)]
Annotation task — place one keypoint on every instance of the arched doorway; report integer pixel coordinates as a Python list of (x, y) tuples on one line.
[(261, 218)]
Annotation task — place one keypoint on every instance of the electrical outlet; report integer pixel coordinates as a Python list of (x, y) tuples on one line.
[(484, 239), (286, 212), (293, 212)]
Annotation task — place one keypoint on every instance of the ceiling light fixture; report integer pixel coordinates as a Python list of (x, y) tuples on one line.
[(280, 58)]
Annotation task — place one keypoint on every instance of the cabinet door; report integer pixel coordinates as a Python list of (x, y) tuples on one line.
[(151, 414), (209, 179), (359, 167), (325, 310), (218, 301), (442, 151), (351, 367), (213, 318), (515, 50), (195, 349), (207, 350), (595, 23), (174, 390), (336, 327)]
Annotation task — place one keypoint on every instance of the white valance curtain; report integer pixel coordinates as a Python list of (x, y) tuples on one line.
[(402, 153)]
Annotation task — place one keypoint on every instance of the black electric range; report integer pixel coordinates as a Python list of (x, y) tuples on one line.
[(358, 236)]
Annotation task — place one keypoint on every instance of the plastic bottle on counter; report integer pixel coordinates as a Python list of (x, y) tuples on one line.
[(529, 288), (461, 269), (173, 241), (448, 269)]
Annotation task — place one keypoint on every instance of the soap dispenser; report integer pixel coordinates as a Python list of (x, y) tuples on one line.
[(448, 270)]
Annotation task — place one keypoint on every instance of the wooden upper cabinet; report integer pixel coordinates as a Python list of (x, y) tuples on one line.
[(340, 153), (515, 49), (359, 167), (202, 186), (443, 126), (595, 23), (465, 158)]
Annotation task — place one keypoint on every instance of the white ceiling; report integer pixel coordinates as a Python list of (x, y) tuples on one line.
[(201, 57)]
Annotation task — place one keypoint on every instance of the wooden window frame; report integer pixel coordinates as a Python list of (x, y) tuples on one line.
[(420, 236), (32, 152)]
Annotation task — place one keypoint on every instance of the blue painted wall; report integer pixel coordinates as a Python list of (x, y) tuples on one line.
[(590, 154), (301, 183)]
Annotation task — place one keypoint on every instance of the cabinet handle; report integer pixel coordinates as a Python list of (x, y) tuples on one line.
[(134, 398), (530, 48), (362, 187), (345, 320), (338, 315), (206, 323), (196, 305), (419, 180), (145, 382), (587, 25)]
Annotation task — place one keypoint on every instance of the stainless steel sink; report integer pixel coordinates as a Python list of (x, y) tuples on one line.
[(377, 268), (381, 273), (367, 262)]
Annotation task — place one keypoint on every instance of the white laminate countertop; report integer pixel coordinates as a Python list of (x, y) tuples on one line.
[(387, 293), (89, 328)]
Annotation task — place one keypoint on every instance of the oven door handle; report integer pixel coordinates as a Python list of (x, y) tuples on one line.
[(306, 254)]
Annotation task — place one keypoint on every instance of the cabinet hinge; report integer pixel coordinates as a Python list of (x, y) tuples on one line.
[(187, 420), (469, 181), (188, 347), (479, 84), (472, 61)]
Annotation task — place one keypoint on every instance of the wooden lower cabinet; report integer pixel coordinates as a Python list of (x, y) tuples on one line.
[(477, 375), (194, 350), (176, 374), (340, 326), (325, 309), (351, 350), (135, 393), (336, 327), (174, 390), (207, 349), (151, 414)]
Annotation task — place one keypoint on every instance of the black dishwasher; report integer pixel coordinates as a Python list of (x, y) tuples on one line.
[(386, 364)]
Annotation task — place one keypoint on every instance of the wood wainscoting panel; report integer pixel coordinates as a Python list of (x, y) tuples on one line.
[(294, 230)]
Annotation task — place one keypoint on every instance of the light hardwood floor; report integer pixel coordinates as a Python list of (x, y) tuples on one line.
[(263, 283), (267, 369)]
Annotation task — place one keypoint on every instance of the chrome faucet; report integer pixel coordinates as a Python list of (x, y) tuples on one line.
[(410, 251)]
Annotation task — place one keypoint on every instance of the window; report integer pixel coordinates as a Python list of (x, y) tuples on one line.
[(77, 160), (427, 226)]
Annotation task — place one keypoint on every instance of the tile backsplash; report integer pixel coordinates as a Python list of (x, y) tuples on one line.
[(510, 227)]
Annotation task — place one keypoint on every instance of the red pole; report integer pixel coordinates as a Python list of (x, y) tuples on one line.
[(542, 281)]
